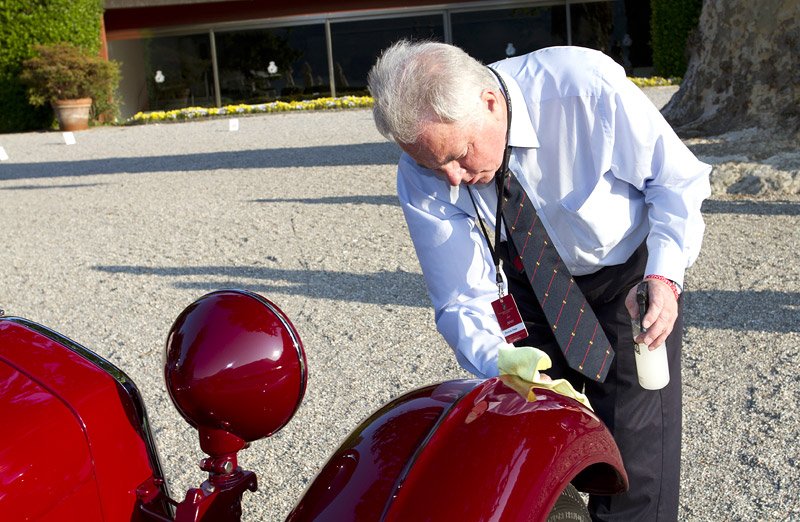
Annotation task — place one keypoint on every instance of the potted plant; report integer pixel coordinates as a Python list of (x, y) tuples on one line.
[(72, 81)]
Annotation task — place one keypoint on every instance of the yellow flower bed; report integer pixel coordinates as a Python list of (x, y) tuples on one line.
[(190, 113), (655, 81), (344, 102)]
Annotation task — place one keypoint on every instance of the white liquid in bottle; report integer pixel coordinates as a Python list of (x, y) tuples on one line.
[(651, 366)]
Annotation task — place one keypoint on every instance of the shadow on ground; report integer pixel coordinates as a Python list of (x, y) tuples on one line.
[(769, 311), (323, 156), (48, 187), (747, 310), (383, 288), (753, 208)]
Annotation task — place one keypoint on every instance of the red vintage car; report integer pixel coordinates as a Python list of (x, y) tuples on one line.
[(76, 444)]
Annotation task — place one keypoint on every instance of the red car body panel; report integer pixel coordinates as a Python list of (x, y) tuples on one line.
[(465, 450), (75, 442), (40, 470)]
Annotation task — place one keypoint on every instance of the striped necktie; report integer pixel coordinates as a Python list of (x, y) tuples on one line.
[(571, 319)]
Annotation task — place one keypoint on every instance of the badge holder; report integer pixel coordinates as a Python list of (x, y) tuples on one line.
[(505, 307), (507, 313)]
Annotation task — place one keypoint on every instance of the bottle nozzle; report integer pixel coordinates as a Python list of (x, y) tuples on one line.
[(642, 298)]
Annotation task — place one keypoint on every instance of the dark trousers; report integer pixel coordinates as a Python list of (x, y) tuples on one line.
[(646, 424)]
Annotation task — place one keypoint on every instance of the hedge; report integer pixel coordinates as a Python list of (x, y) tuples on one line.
[(671, 21), (25, 23)]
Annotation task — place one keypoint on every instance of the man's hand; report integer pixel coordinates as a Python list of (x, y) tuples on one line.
[(660, 317)]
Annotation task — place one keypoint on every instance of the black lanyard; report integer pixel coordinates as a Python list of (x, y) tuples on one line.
[(500, 177)]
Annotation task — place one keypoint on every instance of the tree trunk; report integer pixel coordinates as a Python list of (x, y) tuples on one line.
[(744, 69)]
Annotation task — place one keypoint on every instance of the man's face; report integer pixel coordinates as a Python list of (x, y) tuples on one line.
[(464, 153)]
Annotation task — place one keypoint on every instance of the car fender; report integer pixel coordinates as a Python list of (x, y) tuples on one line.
[(75, 440), (465, 449)]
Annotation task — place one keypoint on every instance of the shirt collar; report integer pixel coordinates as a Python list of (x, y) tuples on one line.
[(522, 133)]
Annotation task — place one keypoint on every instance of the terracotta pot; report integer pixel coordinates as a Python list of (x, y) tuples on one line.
[(73, 115)]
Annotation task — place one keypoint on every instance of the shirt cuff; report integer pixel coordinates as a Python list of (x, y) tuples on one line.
[(666, 260)]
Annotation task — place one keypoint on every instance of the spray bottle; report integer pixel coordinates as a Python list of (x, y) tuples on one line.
[(651, 365)]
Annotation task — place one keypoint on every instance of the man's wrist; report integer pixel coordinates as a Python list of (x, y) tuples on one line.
[(676, 291)]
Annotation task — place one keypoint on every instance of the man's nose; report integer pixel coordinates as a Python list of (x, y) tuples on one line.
[(454, 173)]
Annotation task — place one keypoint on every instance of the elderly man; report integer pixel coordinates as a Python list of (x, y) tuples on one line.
[(614, 190)]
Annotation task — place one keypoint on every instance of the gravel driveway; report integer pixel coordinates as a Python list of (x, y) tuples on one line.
[(109, 239)]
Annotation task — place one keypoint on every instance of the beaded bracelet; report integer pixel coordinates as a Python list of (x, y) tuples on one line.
[(672, 284)]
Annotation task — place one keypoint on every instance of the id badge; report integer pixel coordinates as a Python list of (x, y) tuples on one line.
[(507, 313)]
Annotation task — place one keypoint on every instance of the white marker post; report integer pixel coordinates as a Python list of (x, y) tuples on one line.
[(233, 124), (3, 155), (69, 138)]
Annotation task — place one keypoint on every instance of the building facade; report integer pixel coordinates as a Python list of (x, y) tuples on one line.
[(180, 53)]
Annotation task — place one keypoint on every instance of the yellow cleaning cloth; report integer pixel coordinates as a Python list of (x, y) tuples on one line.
[(525, 363)]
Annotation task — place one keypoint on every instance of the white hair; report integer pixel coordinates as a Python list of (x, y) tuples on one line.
[(414, 83)]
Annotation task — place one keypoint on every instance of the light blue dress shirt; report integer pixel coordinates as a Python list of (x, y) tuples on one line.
[(604, 170)]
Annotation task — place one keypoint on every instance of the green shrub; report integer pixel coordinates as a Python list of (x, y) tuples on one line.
[(63, 71), (671, 21), (25, 23)]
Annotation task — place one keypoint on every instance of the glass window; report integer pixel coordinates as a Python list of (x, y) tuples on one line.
[(637, 20), (179, 73), (618, 28), (592, 25), (490, 36), (356, 45), (267, 64)]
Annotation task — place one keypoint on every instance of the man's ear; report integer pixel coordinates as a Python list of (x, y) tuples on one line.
[(494, 101)]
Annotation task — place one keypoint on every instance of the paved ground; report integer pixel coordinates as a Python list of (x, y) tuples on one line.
[(109, 239)]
